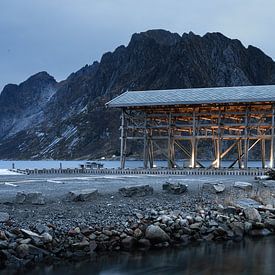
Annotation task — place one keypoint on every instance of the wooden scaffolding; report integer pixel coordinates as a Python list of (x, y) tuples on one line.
[(227, 126)]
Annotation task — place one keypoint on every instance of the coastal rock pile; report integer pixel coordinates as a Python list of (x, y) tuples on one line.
[(21, 247)]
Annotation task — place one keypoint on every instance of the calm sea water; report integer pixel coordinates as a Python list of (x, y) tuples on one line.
[(248, 257), (107, 163)]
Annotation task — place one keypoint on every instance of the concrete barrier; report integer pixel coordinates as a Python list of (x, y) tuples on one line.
[(138, 171)]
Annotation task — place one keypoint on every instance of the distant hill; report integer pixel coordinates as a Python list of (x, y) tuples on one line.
[(41, 118)]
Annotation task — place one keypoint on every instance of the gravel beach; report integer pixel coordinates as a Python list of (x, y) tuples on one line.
[(61, 228)]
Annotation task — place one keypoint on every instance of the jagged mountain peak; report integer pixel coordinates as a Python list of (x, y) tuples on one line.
[(75, 122), (160, 36)]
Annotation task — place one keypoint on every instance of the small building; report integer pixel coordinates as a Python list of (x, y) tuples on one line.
[(239, 117), (91, 165)]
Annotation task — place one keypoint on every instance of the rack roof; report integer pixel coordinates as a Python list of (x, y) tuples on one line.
[(196, 96)]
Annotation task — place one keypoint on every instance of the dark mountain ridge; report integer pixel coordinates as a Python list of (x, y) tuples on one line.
[(72, 122)]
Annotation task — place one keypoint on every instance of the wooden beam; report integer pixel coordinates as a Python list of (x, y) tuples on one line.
[(123, 140), (272, 139)]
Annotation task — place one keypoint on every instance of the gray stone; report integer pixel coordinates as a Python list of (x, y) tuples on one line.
[(136, 190), (4, 216), (243, 185), (4, 244), (230, 210), (41, 228), (252, 214), (29, 234), (174, 188), (219, 187), (30, 198), (137, 233), (155, 234), (46, 237), (82, 195)]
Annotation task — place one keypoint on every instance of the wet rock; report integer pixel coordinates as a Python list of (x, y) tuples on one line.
[(270, 223), (83, 195), (144, 244), (137, 233), (93, 246), (155, 234), (247, 226), (174, 188), (137, 190), (81, 245), (252, 214), (243, 185), (4, 217), (238, 229), (30, 198), (259, 232), (129, 243), (22, 250)]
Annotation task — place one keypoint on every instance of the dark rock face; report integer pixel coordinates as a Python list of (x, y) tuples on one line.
[(69, 119)]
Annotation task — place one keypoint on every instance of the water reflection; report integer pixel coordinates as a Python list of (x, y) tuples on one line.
[(248, 257)]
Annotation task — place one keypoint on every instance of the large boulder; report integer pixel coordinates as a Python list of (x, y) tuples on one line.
[(243, 185), (214, 187), (129, 243), (136, 190), (30, 198), (247, 202), (156, 235), (252, 214), (82, 195), (174, 188)]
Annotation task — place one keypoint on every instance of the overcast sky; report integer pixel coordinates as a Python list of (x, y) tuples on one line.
[(61, 36)]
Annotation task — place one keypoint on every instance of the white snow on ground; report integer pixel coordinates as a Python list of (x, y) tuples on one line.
[(7, 172)]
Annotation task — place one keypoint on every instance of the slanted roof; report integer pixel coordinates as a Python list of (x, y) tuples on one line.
[(196, 96)]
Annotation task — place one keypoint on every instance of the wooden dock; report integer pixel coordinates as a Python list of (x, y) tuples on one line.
[(136, 171)]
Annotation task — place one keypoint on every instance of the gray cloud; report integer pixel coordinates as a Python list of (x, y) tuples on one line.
[(60, 36)]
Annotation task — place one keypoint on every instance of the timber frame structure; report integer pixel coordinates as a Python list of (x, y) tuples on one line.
[(232, 118)]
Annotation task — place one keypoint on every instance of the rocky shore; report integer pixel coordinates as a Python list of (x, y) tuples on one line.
[(82, 224)]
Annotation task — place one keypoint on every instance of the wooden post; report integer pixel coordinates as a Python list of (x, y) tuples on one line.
[(171, 144), (218, 142), (151, 150), (246, 142), (123, 139), (240, 152), (194, 142), (145, 144), (272, 139)]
